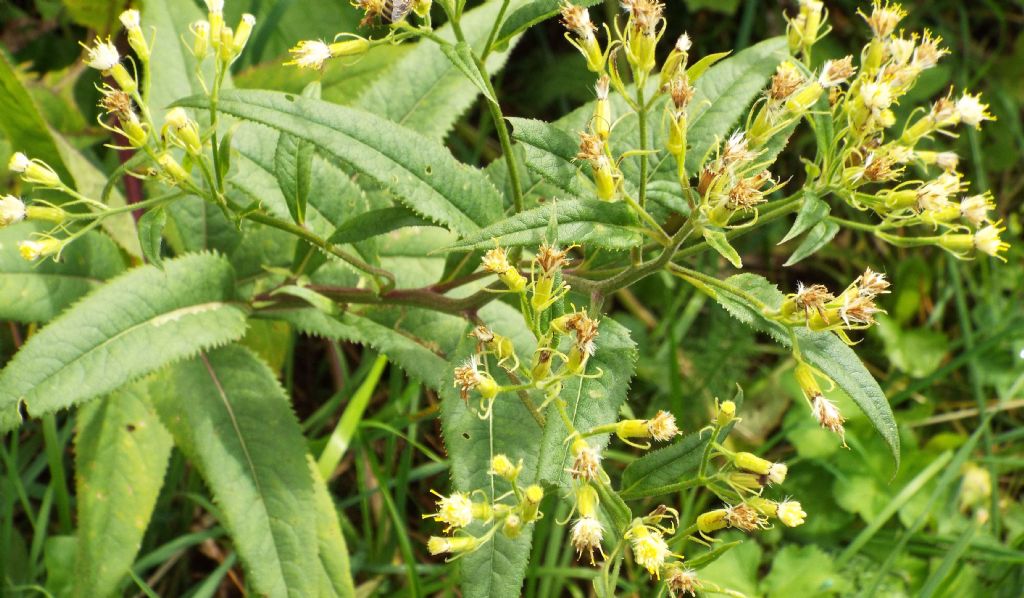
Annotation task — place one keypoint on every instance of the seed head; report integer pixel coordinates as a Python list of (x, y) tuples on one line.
[(681, 580), (683, 43), (550, 258), (681, 92), (829, 416), (469, 377), (787, 79), (812, 298), (835, 72), (858, 310), (871, 283), (746, 518)]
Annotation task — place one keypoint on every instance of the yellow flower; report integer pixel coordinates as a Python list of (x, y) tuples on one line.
[(791, 513)]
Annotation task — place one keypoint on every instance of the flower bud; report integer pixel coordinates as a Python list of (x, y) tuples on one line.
[(242, 34), (502, 467), (12, 210), (712, 521), (587, 501), (216, 18), (32, 249), (726, 413), (513, 526), (801, 101), (532, 497), (36, 172), (46, 214), (453, 545), (184, 130), (201, 38), (602, 120), (172, 169), (226, 47), (130, 20)]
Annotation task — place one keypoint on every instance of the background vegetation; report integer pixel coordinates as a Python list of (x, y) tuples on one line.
[(950, 353)]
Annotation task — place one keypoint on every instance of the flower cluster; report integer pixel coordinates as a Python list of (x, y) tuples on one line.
[(128, 118), (815, 307)]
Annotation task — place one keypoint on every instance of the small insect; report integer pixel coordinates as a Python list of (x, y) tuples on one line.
[(396, 10)]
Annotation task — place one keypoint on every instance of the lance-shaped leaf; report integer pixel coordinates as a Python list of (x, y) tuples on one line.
[(589, 223), (823, 350), (529, 15), (549, 152), (37, 292), (821, 234), (231, 418), (121, 452), (138, 322), (421, 173)]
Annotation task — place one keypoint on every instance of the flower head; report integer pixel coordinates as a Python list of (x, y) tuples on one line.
[(102, 56), (871, 283), (31, 249), (777, 473), (662, 426), (787, 79), (737, 150), (987, 240), (791, 514), (812, 298), (469, 377), (884, 18), (18, 163), (586, 536), (858, 309), (577, 20), (683, 43), (829, 416), (310, 54), (682, 580), (928, 51), (454, 510), (12, 210), (743, 517), (972, 112), (834, 72), (877, 96), (587, 461), (130, 19), (974, 209), (649, 547)]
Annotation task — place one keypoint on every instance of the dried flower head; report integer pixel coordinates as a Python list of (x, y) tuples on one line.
[(550, 258), (577, 20), (879, 168), (662, 426), (743, 517), (586, 536), (681, 92), (496, 261), (829, 416), (587, 462), (683, 43), (746, 193), (834, 72), (871, 283), (469, 377), (737, 150), (812, 298), (591, 149), (858, 310), (682, 580), (644, 14), (786, 80), (884, 17), (116, 102)]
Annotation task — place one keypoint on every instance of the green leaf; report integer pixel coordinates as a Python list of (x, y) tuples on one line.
[(549, 152), (121, 452), (334, 561), (720, 243), (529, 15), (231, 418), (462, 57), (22, 122), (589, 223), (37, 292), (660, 471), (135, 324), (423, 90), (700, 67), (822, 233), (823, 350), (803, 571), (376, 222), (151, 230), (172, 58), (409, 353), (99, 15), (420, 172), (812, 211), (293, 163)]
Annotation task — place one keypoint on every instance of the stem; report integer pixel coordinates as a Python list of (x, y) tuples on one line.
[(503, 137), (494, 30), (692, 276), (641, 114), (326, 245)]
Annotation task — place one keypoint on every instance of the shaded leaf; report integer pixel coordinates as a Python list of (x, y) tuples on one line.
[(720, 243), (819, 236), (812, 211), (549, 152), (530, 14), (151, 230), (376, 222)]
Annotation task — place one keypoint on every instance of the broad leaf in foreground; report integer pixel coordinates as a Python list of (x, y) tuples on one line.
[(121, 452), (420, 172), (138, 322), (231, 418)]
